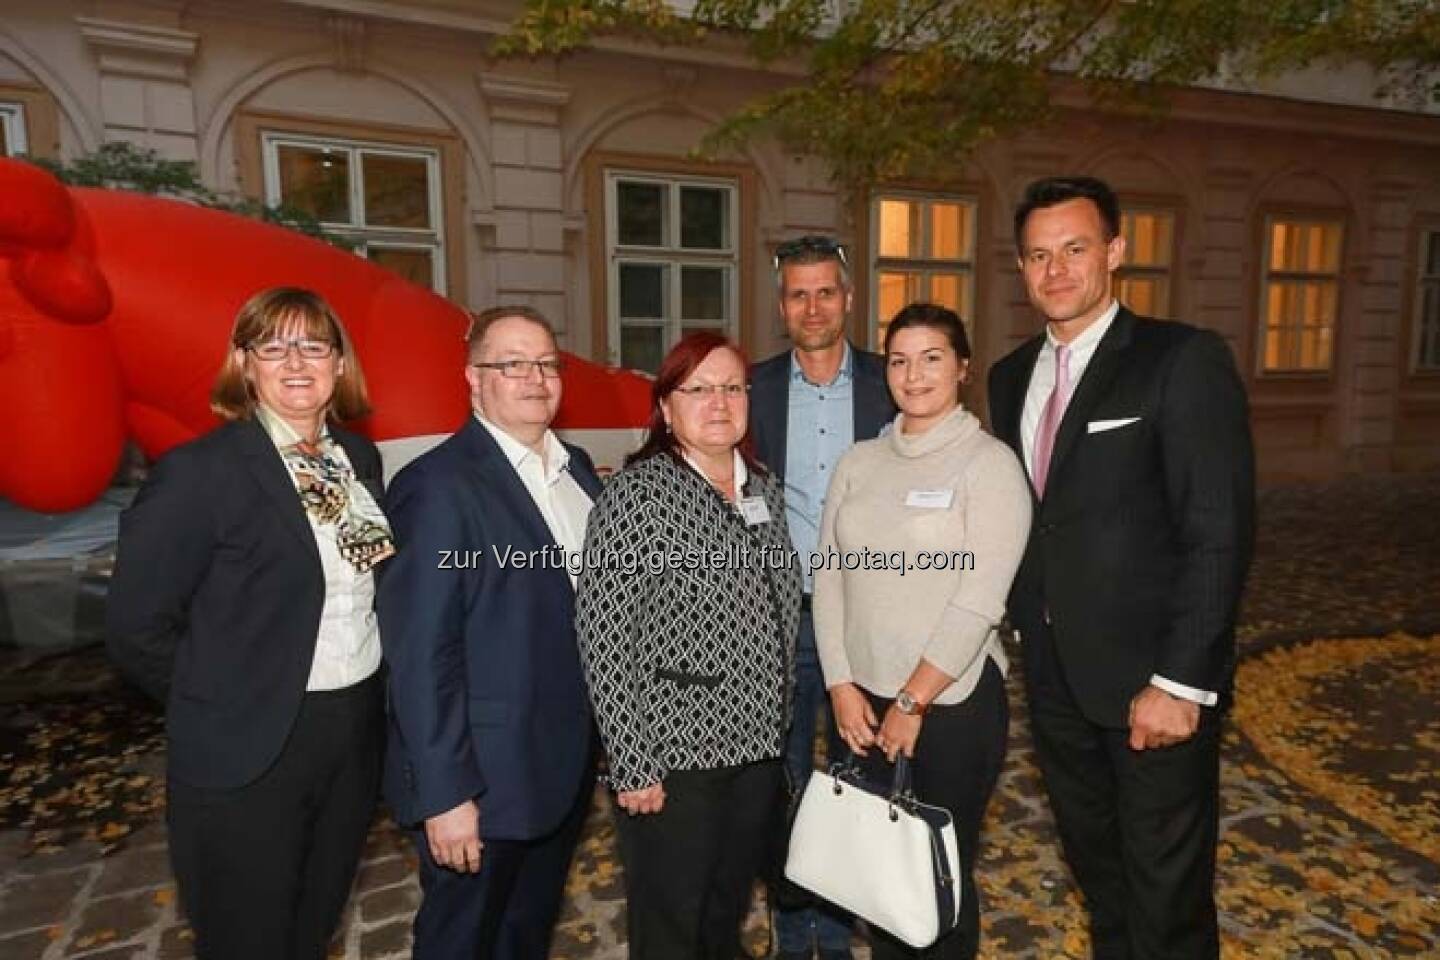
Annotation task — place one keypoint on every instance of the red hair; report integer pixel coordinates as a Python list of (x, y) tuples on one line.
[(675, 369)]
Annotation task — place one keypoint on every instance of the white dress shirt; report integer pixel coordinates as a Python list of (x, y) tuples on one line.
[(558, 497), (347, 647), (1042, 382)]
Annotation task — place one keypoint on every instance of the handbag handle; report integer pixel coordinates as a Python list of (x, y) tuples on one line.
[(901, 786)]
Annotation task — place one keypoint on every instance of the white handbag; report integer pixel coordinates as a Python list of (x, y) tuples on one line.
[(879, 853)]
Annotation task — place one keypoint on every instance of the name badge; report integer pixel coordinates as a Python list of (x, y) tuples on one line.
[(930, 499), (754, 511)]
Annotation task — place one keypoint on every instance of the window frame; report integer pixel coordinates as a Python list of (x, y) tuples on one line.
[(357, 230), (1306, 217), (1167, 272), (13, 121), (604, 289), (926, 266), (1427, 233), (251, 124)]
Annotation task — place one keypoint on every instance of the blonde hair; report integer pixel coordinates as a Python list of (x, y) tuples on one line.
[(268, 314)]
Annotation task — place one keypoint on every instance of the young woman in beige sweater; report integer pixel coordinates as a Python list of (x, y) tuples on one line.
[(922, 532)]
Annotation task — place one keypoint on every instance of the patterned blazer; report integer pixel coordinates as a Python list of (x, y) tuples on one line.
[(686, 619)]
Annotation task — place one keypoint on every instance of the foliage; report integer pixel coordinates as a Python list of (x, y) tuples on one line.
[(896, 88), (124, 166)]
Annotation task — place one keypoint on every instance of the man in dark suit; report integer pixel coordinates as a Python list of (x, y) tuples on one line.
[(1136, 437), (808, 405), (490, 749)]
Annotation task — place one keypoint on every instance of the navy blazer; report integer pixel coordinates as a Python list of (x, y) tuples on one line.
[(770, 404), (214, 606), (1139, 549), (486, 696)]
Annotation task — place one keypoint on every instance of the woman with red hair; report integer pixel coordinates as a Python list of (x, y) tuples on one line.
[(686, 617)]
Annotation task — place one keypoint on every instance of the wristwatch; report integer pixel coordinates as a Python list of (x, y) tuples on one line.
[(906, 703)]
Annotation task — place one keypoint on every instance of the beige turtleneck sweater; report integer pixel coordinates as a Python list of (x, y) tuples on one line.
[(951, 488)]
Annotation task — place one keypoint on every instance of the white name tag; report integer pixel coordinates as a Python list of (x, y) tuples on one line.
[(754, 511), (930, 499)]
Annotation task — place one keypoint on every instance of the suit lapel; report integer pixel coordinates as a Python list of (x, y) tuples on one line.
[(1094, 384), (268, 471), (871, 395), (1007, 419), (498, 475), (771, 406)]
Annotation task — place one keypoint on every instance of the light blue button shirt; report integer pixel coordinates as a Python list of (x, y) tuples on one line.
[(820, 428)]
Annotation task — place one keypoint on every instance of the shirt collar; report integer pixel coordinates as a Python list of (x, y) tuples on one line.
[(557, 458), (842, 375), (742, 472), (1093, 333), (279, 430)]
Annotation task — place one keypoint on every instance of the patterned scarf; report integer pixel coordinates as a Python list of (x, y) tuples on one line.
[(331, 494)]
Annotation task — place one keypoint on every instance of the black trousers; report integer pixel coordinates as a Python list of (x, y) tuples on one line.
[(690, 869), (264, 870), (1139, 827), (958, 758), (507, 910)]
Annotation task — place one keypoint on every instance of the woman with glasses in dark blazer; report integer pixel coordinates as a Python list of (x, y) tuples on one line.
[(686, 618), (242, 599)]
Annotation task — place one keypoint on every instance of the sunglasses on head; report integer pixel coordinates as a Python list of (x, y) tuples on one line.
[(810, 244)]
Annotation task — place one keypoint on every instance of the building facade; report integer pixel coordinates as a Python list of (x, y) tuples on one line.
[(1304, 228)]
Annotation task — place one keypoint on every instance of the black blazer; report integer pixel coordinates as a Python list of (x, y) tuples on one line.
[(1139, 549), (215, 602), (770, 404), (487, 700)]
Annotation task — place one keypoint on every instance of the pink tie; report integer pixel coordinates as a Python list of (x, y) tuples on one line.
[(1051, 417)]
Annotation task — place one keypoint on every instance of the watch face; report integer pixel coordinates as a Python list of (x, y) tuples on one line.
[(905, 702)]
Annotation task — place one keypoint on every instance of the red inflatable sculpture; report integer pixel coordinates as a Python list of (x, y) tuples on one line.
[(114, 313)]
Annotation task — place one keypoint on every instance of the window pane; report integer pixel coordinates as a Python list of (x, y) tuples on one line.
[(1146, 295), (1305, 247), (1300, 319), (316, 180), (948, 290), (950, 231), (896, 290), (417, 266), (641, 348), (640, 213), (1432, 259), (642, 290), (1148, 238), (1429, 353), (702, 293), (703, 212), (898, 231), (397, 191)]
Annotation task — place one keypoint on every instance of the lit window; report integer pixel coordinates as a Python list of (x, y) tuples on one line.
[(384, 198), (12, 130), (1143, 280), (1300, 294), (673, 268), (924, 250), (1427, 304)]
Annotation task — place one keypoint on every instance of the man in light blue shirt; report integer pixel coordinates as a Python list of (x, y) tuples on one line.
[(808, 405)]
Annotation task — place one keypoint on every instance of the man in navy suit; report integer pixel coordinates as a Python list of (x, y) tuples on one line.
[(808, 405), (490, 752)]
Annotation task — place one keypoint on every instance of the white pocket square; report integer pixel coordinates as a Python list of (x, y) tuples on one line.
[(1100, 426)]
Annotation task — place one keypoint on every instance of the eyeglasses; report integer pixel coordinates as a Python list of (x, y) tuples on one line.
[(825, 246), (278, 349), (729, 391), (520, 369)]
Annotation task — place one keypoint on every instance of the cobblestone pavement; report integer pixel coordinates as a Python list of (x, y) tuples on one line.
[(1320, 854)]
